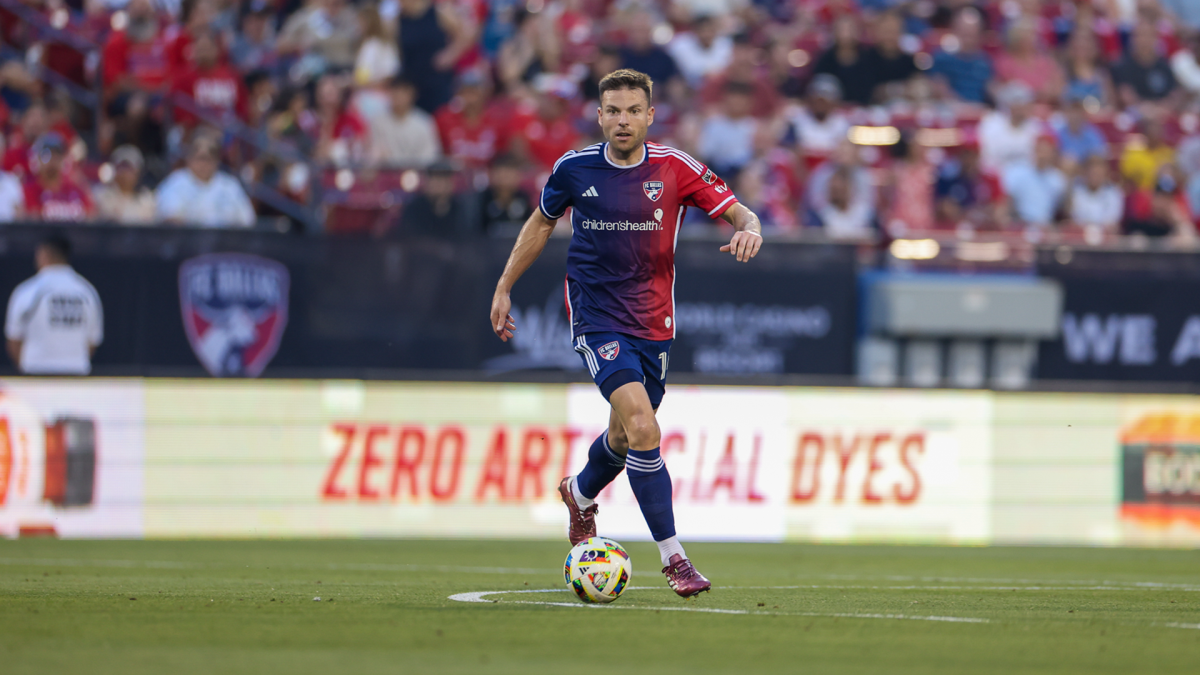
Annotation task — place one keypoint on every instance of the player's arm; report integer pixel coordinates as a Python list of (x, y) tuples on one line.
[(530, 242), (748, 236)]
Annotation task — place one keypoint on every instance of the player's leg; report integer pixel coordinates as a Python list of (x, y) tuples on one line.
[(612, 361), (652, 484), (606, 459)]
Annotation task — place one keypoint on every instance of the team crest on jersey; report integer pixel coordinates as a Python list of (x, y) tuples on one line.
[(708, 177), (653, 189), (609, 351), (235, 308)]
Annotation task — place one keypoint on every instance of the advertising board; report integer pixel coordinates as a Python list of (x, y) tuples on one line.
[(353, 458), (71, 456), (311, 458), (1160, 473)]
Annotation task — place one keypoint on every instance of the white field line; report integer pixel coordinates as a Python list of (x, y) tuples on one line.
[(1106, 587), (997, 584), (364, 567), (69, 562), (1194, 626), (481, 596), (993, 580)]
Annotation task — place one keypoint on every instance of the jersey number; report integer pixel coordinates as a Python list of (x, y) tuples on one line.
[(663, 357)]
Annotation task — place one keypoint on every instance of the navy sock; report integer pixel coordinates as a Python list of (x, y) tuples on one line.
[(603, 467), (652, 486)]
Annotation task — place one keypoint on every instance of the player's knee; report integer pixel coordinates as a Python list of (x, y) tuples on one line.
[(618, 440), (642, 432)]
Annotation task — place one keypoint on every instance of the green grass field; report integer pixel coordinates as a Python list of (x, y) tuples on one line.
[(248, 607)]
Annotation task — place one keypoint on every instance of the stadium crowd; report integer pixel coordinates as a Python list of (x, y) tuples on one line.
[(1041, 118)]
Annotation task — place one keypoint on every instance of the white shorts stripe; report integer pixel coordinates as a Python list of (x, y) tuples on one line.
[(582, 348), (587, 360), (591, 356), (586, 357)]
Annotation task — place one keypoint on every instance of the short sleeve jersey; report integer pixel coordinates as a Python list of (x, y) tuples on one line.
[(67, 202), (57, 317), (625, 222)]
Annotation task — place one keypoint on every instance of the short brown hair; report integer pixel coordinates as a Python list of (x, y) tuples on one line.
[(626, 78)]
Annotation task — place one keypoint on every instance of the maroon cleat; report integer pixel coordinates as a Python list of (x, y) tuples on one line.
[(683, 577), (583, 521)]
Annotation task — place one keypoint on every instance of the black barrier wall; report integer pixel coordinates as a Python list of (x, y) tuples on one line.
[(1126, 316), (193, 302)]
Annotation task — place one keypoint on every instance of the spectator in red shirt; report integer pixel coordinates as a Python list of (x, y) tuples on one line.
[(471, 133), (197, 20), (548, 133), (214, 87), (340, 133), (34, 123), (137, 57), (51, 195), (745, 68), (1027, 62)]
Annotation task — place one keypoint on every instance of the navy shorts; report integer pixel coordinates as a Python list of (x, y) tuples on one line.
[(616, 359)]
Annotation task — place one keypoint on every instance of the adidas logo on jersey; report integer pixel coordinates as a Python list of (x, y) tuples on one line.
[(591, 192)]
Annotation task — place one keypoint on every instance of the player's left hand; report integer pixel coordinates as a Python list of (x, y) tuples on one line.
[(744, 245), (502, 322)]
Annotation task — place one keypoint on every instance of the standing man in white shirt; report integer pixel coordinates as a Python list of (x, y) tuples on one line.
[(198, 194), (55, 320)]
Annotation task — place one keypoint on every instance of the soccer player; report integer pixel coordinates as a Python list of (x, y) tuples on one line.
[(628, 199)]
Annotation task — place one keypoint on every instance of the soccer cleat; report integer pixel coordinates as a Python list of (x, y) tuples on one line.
[(583, 521), (683, 578)]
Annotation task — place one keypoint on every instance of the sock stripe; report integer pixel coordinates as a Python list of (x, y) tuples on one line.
[(647, 468), (644, 461), (616, 459), (634, 461)]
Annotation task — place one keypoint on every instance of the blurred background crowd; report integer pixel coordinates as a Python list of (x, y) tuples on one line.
[(1044, 119)]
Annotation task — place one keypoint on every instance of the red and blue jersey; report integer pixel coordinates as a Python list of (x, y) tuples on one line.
[(625, 222)]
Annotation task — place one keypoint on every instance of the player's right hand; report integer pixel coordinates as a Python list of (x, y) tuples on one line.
[(502, 322)]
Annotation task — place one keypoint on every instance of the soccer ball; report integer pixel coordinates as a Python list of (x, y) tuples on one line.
[(598, 570)]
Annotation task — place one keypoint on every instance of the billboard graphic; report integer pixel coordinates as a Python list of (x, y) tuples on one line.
[(310, 458), (378, 459), (1160, 461), (235, 308), (70, 458)]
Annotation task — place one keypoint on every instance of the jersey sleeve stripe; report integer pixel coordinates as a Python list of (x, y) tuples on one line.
[(718, 207), (688, 158), (696, 166), (692, 161), (572, 154)]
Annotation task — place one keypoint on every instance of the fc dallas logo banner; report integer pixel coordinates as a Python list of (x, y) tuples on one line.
[(235, 307)]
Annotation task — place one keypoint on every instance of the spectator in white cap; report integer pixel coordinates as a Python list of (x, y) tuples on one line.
[(819, 128), (1008, 136), (198, 194), (124, 199), (1097, 204)]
